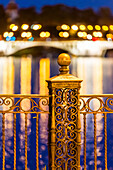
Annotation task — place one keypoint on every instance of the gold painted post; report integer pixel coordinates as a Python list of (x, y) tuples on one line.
[(64, 120)]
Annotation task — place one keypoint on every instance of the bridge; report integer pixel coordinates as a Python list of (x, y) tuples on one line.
[(74, 47)]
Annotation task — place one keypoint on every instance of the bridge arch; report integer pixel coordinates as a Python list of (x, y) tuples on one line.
[(40, 50)]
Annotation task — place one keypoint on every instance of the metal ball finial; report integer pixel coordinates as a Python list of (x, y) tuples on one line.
[(64, 61)]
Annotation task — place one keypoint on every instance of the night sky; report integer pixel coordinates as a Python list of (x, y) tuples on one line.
[(81, 4)]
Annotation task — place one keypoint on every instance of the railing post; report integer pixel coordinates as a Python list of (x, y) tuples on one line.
[(64, 120)]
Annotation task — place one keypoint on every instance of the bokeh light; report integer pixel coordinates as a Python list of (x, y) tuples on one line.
[(111, 27), (11, 26), (23, 34), (105, 27), (74, 27), (65, 27), (15, 28), (97, 27), (25, 26), (10, 34), (36, 26), (90, 27), (5, 34), (82, 27)]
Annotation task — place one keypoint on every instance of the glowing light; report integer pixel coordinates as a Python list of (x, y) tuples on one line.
[(65, 27), (97, 27), (23, 34), (82, 27), (44, 73), (65, 34), (25, 26), (80, 34), (28, 34), (10, 34), (5, 34), (90, 27), (74, 27), (97, 34), (89, 37), (109, 39), (42, 34), (100, 34), (109, 35), (111, 27), (61, 34), (26, 76), (31, 39), (58, 27), (36, 27), (105, 28), (15, 28), (11, 26), (13, 38), (84, 34), (8, 38), (47, 34)]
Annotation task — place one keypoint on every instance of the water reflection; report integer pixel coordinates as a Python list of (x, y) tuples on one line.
[(27, 75), (8, 88)]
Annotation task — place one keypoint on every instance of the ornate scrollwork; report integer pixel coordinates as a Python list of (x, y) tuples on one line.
[(66, 108), (23, 104), (96, 103)]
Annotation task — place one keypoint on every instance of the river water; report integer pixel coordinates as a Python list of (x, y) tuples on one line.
[(27, 74)]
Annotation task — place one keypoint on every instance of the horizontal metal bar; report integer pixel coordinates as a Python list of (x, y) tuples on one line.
[(96, 95), (107, 112), (24, 95), (36, 112), (39, 95)]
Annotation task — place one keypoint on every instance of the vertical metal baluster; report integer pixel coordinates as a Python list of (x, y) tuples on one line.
[(25, 141), (14, 141), (3, 141), (95, 143), (37, 161), (84, 141), (105, 139)]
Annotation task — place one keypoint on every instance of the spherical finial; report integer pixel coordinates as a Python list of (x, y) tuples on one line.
[(64, 61)]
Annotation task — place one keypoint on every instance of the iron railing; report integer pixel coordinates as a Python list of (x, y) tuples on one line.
[(96, 105), (65, 106), (11, 105)]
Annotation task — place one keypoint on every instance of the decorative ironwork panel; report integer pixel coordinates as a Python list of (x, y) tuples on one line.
[(96, 103), (24, 104), (66, 105)]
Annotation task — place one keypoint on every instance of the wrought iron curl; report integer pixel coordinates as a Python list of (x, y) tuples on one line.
[(59, 162), (72, 163), (108, 103), (105, 104), (14, 104)]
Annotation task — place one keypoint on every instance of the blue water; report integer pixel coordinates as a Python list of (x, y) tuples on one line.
[(97, 75)]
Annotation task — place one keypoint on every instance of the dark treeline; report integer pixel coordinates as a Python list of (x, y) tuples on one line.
[(60, 14), (57, 15)]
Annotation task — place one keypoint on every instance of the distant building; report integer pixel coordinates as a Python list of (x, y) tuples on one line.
[(12, 10)]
